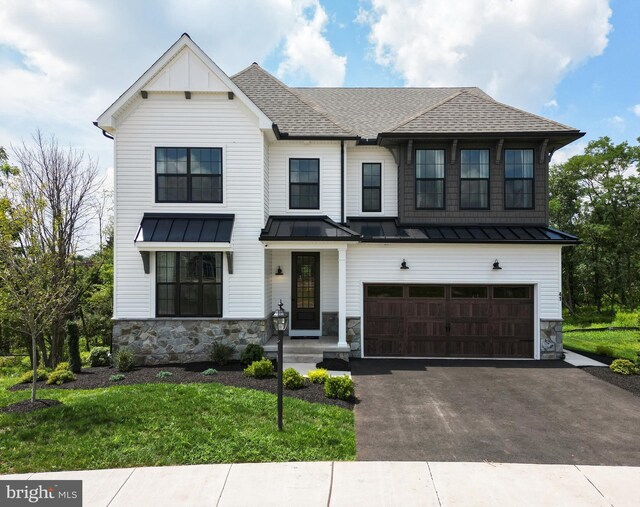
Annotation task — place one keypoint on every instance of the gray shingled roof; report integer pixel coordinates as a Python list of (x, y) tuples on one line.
[(368, 112)]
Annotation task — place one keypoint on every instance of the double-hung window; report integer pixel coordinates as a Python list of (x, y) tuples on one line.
[(304, 183), (189, 284), (430, 179), (474, 179), (371, 187), (189, 175), (518, 179)]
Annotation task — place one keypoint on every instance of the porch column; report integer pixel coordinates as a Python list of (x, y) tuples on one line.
[(342, 295)]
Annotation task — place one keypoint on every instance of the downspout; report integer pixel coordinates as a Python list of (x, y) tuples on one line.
[(104, 132), (342, 181)]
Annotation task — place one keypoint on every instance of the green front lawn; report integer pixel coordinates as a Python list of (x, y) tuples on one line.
[(624, 344), (167, 424)]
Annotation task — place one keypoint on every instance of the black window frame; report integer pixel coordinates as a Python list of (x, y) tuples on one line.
[(178, 284), (305, 184), (443, 179), (188, 175), (487, 180), (532, 179), (372, 187)]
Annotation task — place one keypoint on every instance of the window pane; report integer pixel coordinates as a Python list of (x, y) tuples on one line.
[(469, 292), (211, 267), (430, 194), (175, 160), (166, 299), (384, 291), (474, 194), (172, 188), (518, 193), (426, 291), (166, 266), (212, 299), (518, 164), (304, 196), (429, 163), (206, 188), (371, 199), (206, 161), (511, 292), (371, 175), (474, 163), (189, 296), (189, 267)]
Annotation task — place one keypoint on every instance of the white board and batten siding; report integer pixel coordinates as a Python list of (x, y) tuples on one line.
[(358, 155), (206, 120)]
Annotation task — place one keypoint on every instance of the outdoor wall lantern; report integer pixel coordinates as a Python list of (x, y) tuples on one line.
[(404, 265), (279, 272), (496, 264), (280, 319)]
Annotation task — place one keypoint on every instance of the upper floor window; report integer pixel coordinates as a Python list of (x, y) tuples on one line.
[(518, 179), (304, 183), (430, 179), (188, 174), (371, 187), (474, 179), (189, 284)]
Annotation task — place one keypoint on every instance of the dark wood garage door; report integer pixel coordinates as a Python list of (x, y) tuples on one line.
[(448, 320)]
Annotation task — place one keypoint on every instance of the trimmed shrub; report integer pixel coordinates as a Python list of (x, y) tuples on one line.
[(605, 350), (164, 374), (117, 377), (251, 353), (100, 356), (221, 353), (209, 371), (624, 367), (318, 376), (73, 344), (58, 377), (41, 374), (124, 360), (292, 379), (259, 369), (339, 387)]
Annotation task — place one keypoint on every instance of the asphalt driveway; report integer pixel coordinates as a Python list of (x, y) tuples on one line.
[(501, 411)]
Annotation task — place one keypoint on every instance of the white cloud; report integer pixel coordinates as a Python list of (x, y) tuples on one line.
[(517, 51), (636, 110), (564, 154), (552, 104), (308, 54), (617, 122)]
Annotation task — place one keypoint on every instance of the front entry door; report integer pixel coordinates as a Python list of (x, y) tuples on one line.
[(305, 290)]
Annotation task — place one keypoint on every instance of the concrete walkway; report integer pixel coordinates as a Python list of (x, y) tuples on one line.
[(354, 484), (579, 360)]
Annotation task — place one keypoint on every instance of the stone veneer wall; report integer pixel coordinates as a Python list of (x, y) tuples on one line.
[(162, 341), (354, 338), (550, 339), (330, 323)]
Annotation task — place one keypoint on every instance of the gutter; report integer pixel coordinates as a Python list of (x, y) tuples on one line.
[(104, 132)]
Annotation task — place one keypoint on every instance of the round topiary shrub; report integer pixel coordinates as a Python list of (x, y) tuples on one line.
[(291, 379), (59, 377), (124, 360), (100, 356), (340, 387), (624, 367), (252, 352), (221, 353), (318, 376), (259, 369)]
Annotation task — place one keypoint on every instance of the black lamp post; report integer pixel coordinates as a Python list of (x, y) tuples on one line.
[(280, 320)]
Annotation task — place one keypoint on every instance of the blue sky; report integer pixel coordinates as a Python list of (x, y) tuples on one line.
[(62, 63)]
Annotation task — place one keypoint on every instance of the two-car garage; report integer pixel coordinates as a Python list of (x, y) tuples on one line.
[(419, 320)]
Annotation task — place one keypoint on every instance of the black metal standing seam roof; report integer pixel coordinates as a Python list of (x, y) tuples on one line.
[(182, 227), (306, 228), (390, 231)]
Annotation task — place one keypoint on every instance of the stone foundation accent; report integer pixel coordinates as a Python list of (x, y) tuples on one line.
[(550, 339), (336, 355), (158, 341), (353, 336), (330, 323)]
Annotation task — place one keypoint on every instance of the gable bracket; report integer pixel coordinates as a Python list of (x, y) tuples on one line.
[(499, 150), (454, 151), (144, 94), (187, 95), (230, 95), (145, 261), (409, 151), (395, 153), (543, 151), (551, 152)]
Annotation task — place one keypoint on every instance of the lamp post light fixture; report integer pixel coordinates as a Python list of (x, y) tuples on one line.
[(280, 319)]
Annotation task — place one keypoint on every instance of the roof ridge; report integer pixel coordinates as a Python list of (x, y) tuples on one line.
[(428, 109), (315, 107), (459, 88), (246, 69)]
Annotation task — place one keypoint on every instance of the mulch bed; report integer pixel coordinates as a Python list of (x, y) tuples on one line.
[(22, 407), (630, 383), (229, 375)]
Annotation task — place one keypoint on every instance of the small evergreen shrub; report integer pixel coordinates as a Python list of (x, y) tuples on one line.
[(124, 360), (209, 371), (117, 377), (624, 367), (27, 377), (85, 358), (605, 350), (292, 379), (259, 369), (318, 376), (62, 366), (100, 356), (221, 353), (164, 374), (251, 353), (73, 344), (340, 387), (58, 377)]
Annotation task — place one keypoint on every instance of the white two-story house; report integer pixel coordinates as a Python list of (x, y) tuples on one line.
[(407, 222)]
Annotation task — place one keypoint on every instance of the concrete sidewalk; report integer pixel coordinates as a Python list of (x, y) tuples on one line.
[(354, 484)]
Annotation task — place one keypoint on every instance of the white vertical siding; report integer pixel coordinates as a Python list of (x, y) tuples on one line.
[(329, 154), (521, 264), (358, 155), (205, 120)]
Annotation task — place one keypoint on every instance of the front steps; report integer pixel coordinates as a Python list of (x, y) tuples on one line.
[(307, 351)]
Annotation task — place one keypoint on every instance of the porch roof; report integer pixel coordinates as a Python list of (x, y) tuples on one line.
[(306, 228)]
